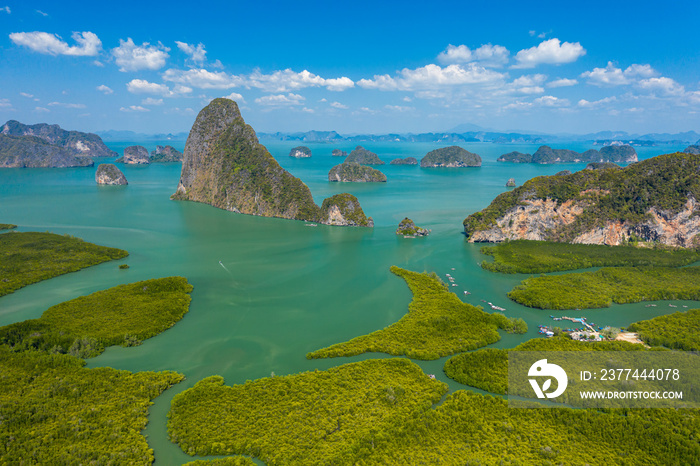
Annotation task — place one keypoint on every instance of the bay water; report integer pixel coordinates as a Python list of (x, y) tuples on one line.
[(267, 291)]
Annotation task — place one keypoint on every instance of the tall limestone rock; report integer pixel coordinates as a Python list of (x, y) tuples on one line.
[(225, 166)]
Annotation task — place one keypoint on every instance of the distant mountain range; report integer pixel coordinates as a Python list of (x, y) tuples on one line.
[(458, 134)]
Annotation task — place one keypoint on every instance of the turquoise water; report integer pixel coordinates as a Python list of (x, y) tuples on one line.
[(284, 288)]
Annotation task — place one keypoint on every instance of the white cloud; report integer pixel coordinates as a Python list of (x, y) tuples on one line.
[(530, 80), (280, 100), (196, 53), (596, 103), (662, 85), (6, 9), (41, 110), (131, 57), (5, 103), (178, 111), (52, 44), (338, 105), (432, 77), (399, 108), (134, 108), (104, 89), (645, 71), (288, 80), (151, 101), (203, 79), (24, 94), (142, 86), (518, 105), (614, 76), (551, 101), (308, 110), (235, 96), (42, 13), (563, 82), (98, 64), (487, 54), (407, 99), (551, 52), (65, 105)]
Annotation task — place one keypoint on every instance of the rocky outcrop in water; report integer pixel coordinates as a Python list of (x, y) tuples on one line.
[(109, 174), (135, 155), (510, 183), (655, 200), (453, 157), (339, 153), (408, 228), (34, 152), (225, 166), (363, 157), (300, 152), (76, 143), (355, 173), (694, 149), (406, 161), (546, 155), (344, 210), (165, 154)]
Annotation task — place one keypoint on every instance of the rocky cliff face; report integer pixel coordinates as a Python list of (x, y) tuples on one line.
[(225, 166), (344, 210), (135, 155), (109, 174), (300, 152), (407, 227), (165, 154), (76, 143), (654, 200), (354, 172), (34, 152)]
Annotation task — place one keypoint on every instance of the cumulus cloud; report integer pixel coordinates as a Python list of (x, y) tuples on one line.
[(235, 96), (5, 103), (432, 77), (487, 54), (41, 110), (52, 44), (288, 80), (551, 52), (398, 108), (280, 100), (132, 57), (203, 79), (104, 89), (6, 9), (583, 103), (142, 86), (134, 108), (196, 53), (65, 105), (563, 82), (551, 101), (24, 94), (662, 85), (338, 105), (611, 75), (151, 101)]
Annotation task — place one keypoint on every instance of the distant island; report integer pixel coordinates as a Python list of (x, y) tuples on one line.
[(546, 155), (48, 146), (300, 152), (406, 161), (452, 156), (354, 172), (109, 174), (600, 206), (225, 166), (339, 153), (165, 154), (135, 155), (364, 157)]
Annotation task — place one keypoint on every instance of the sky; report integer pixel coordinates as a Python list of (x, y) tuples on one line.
[(354, 67)]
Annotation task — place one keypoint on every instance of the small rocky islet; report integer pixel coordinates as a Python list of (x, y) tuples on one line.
[(165, 154), (407, 227), (405, 161), (355, 173), (300, 152), (450, 157), (363, 157), (109, 174), (135, 155)]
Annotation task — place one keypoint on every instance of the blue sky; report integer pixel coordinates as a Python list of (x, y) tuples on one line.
[(372, 67)]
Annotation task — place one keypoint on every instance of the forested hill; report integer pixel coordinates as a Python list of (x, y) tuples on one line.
[(654, 200)]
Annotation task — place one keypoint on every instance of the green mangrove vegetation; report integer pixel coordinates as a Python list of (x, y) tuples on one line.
[(55, 411), (122, 315), (526, 256), (437, 324), (29, 257), (597, 289), (230, 461), (680, 330), (320, 417), (664, 182)]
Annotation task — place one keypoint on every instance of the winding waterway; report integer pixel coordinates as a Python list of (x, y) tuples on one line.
[(285, 288)]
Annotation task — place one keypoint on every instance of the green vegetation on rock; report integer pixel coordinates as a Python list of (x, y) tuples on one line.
[(665, 183), (167, 154), (408, 228), (230, 461), (7, 226), (363, 156), (29, 257), (300, 152), (123, 315), (547, 155), (603, 287), (109, 174), (406, 161), (602, 166), (680, 330), (344, 209), (525, 256), (354, 172), (515, 157), (321, 417), (437, 324), (54, 411), (34, 152), (452, 156)]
